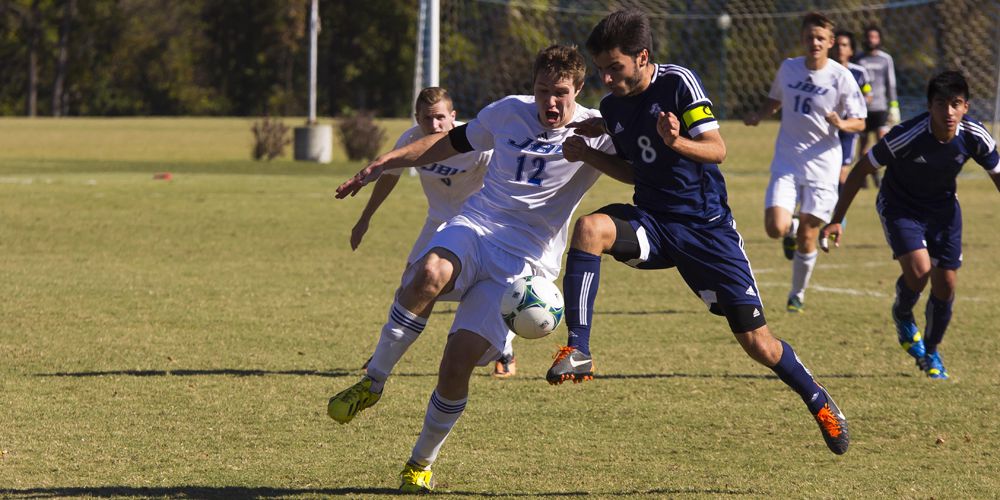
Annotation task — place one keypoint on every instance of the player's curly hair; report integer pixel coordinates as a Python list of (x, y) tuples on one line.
[(948, 84), (562, 61), (626, 30)]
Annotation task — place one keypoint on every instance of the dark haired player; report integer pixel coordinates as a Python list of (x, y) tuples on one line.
[(919, 209), (661, 121)]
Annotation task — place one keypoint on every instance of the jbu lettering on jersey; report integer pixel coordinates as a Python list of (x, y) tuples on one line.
[(442, 170), (530, 145), (808, 87)]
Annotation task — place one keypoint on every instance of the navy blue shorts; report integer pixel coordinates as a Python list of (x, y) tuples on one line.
[(711, 260), (941, 234), (847, 143)]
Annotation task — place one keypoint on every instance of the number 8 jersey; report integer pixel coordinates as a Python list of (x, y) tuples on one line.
[(807, 145), (667, 184)]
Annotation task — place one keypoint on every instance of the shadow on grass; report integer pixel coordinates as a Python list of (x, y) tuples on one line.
[(231, 372), (266, 492)]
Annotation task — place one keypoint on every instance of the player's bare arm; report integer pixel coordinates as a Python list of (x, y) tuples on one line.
[(834, 230), (576, 149), (591, 127), (849, 125), (708, 147), (768, 108), (429, 149), (380, 192)]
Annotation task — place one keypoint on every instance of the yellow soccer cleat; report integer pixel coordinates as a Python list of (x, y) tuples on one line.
[(414, 479), (347, 403)]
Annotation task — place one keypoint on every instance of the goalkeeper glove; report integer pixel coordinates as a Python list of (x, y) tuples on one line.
[(894, 114)]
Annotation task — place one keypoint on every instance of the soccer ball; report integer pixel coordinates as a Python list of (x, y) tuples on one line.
[(532, 307)]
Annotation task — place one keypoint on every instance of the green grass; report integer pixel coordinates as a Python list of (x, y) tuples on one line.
[(180, 339)]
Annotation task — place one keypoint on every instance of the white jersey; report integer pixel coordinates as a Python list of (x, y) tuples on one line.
[(449, 183), (807, 145), (530, 190)]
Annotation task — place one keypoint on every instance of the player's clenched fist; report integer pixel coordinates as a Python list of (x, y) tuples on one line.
[(574, 148), (669, 127)]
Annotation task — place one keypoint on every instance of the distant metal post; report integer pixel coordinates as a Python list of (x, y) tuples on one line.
[(313, 42), (433, 58)]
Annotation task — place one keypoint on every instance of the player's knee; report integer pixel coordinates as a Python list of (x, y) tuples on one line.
[(593, 232), (772, 228), (432, 274)]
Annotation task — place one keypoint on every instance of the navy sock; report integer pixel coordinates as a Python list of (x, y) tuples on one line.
[(938, 314), (583, 274), (792, 372), (902, 308)]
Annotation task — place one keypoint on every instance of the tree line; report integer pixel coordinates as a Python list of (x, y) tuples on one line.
[(203, 57)]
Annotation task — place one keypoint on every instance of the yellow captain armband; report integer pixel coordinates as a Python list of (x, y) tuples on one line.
[(697, 114)]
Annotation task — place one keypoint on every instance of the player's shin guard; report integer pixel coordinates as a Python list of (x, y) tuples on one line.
[(442, 414), (802, 269), (399, 332), (902, 308), (792, 372), (938, 314), (583, 274)]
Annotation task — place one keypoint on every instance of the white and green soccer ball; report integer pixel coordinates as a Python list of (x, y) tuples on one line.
[(532, 307)]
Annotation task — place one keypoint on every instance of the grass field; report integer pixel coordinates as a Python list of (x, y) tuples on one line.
[(181, 338)]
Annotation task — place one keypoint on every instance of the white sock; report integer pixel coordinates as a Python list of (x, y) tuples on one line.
[(802, 269), (793, 227), (442, 414), (399, 332), (508, 346)]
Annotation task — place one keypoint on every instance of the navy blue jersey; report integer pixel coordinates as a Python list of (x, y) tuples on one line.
[(920, 171), (667, 184)]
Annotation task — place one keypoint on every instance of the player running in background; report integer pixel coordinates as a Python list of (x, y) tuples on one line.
[(446, 185), (919, 208), (814, 92), (661, 121), (883, 109), (842, 52), (516, 225)]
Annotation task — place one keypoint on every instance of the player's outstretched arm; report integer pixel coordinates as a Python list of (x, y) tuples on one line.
[(708, 147), (429, 149), (767, 108), (576, 149), (834, 230), (996, 180), (380, 192)]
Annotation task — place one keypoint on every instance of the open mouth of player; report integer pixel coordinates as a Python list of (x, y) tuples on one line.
[(552, 117)]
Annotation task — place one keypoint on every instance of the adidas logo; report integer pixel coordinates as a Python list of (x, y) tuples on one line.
[(756, 312), (750, 291), (543, 135), (618, 128), (655, 109), (919, 159)]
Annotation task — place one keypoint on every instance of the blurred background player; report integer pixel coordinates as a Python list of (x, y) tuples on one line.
[(665, 134), (919, 208), (883, 109), (446, 185), (842, 52), (516, 225), (814, 92)]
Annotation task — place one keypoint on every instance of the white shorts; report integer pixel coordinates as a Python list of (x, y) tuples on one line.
[(420, 246), (486, 272), (787, 191)]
